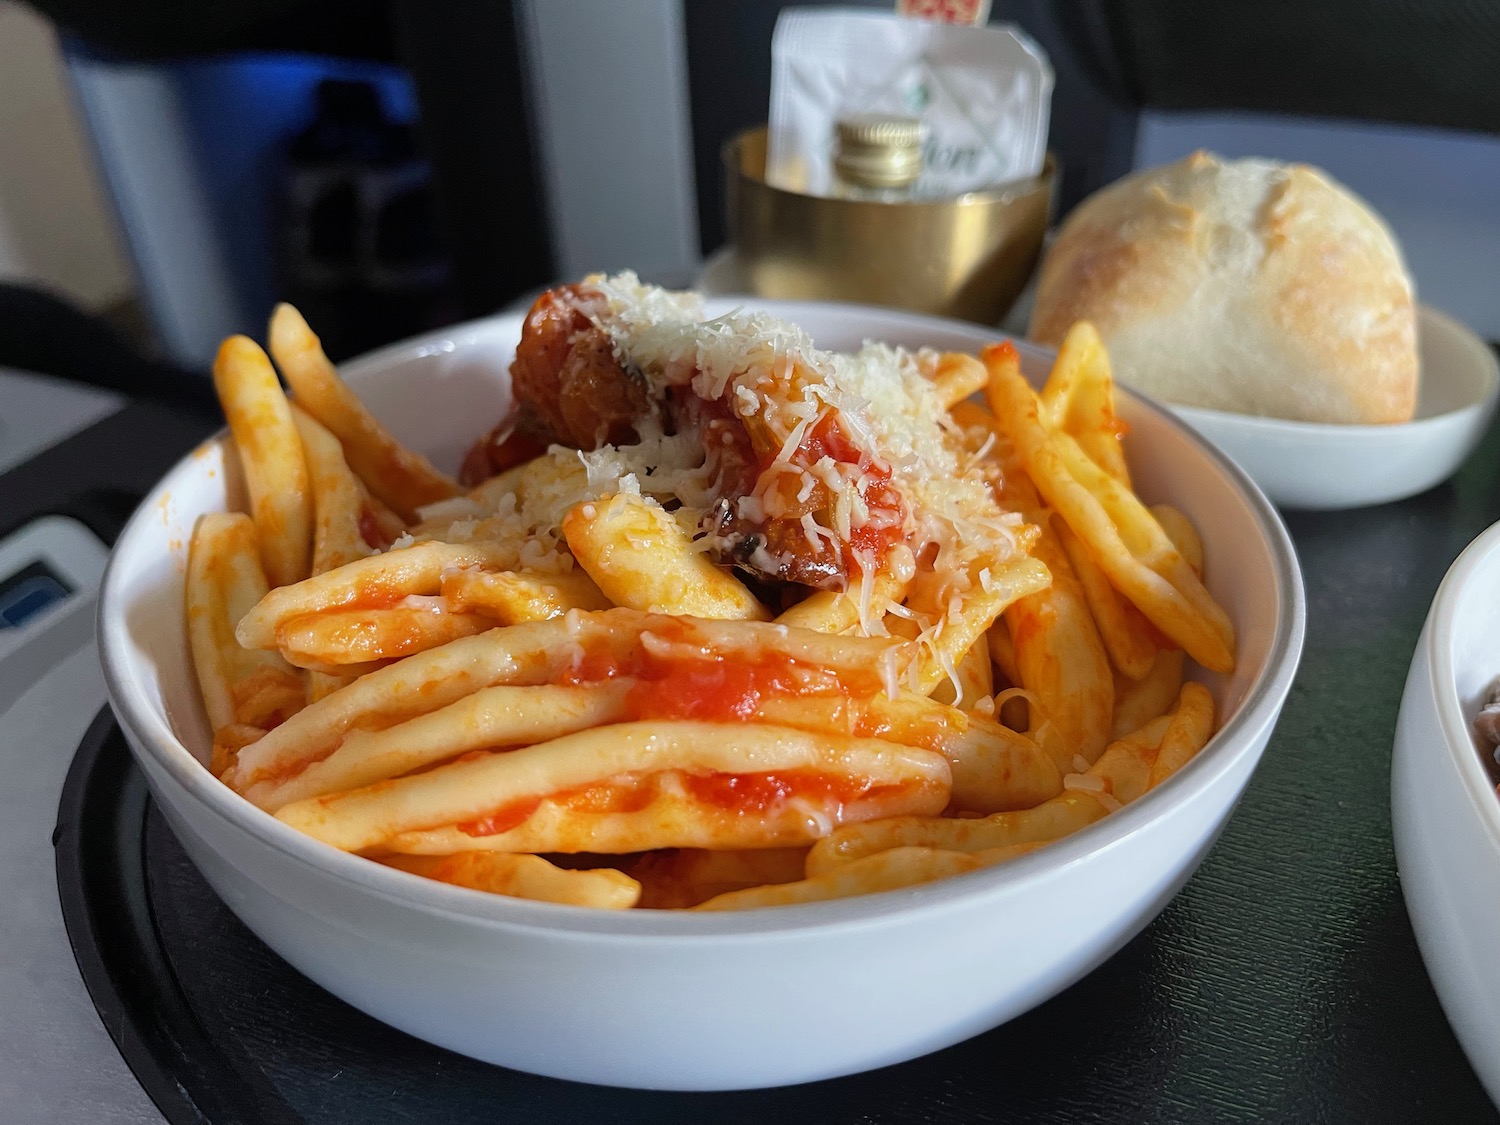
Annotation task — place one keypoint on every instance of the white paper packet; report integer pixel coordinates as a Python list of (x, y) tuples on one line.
[(983, 94)]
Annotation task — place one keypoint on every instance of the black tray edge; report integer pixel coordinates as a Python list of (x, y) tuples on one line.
[(99, 851)]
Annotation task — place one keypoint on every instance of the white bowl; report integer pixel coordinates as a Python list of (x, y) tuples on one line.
[(1445, 813), (694, 1001), (1315, 465)]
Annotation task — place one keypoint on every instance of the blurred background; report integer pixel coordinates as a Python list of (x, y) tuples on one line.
[(173, 168)]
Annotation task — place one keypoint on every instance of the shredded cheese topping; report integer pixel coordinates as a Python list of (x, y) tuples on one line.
[(769, 374)]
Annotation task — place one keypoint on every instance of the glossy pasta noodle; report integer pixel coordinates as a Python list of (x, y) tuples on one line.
[(712, 619)]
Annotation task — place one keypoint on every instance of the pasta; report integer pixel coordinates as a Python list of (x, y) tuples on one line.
[(712, 619)]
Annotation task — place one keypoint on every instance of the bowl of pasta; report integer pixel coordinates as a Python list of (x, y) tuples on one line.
[(1445, 811), (657, 692)]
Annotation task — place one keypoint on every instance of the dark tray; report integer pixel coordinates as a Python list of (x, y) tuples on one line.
[(1283, 984)]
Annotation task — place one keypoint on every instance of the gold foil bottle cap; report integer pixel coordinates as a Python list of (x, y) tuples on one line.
[(878, 150)]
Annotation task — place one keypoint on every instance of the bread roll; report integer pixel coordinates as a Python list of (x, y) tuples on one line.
[(1242, 285)]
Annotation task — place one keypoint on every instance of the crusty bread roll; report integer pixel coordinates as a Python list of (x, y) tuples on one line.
[(1243, 285)]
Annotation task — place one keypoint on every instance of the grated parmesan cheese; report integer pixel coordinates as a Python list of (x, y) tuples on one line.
[(769, 371), (951, 671), (1083, 781), (461, 531), (455, 507)]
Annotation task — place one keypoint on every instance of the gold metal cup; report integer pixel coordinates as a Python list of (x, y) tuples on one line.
[(967, 257)]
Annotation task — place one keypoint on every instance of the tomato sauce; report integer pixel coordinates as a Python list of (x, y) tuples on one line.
[(598, 664), (373, 593), (887, 520), (684, 682), (712, 690), (743, 793), (930, 731), (369, 529), (599, 798), (503, 819), (703, 689), (826, 438), (739, 794), (729, 452), (1026, 627), (502, 448)]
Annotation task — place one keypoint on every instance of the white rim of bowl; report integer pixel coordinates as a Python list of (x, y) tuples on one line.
[(1456, 727), (1323, 432), (141, 718)]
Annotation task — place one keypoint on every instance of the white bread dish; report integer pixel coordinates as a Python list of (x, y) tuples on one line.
[(1247, 286)]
